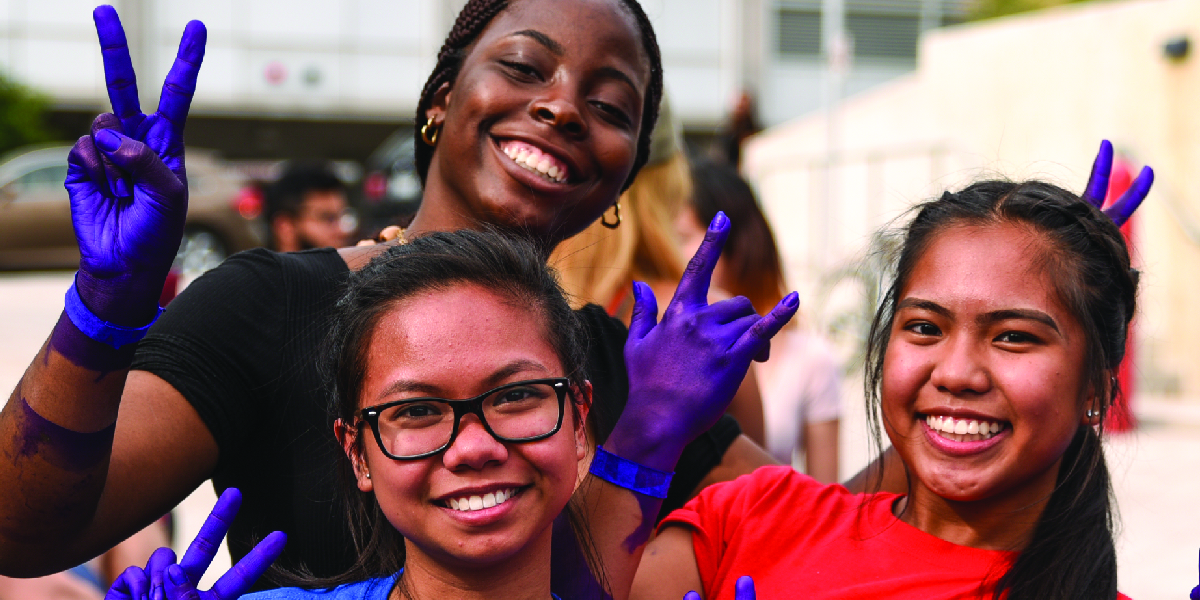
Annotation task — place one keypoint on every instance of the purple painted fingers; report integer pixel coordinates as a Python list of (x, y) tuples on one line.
[(163, 579), (1096, 190), (1196, 593), (684, 370), (743, 590), (127, 181)]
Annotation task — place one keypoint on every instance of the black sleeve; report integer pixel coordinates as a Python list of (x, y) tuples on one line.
[(214, 344), (610, 393)]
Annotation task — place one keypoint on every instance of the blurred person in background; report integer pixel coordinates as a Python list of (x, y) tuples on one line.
[(639, 242), (800, 384), (742, 123), (305, 209)]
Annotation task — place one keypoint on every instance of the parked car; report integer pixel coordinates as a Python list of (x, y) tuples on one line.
[(391, 190), (35, 213)]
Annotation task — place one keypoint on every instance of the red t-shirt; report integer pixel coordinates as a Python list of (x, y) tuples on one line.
[(802, 539)]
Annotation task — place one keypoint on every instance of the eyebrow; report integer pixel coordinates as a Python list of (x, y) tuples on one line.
[(556, 49), (1018, 313), (986, 318), (495, 379), (543, 39)]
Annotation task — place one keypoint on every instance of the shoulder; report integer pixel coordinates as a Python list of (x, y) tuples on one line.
[(758, 495), (371, 589)]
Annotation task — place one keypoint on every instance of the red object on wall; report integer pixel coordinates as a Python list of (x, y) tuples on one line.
[(1120, 415)]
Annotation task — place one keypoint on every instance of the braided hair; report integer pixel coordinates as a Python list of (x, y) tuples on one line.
[(473, 19), (1071, 552)]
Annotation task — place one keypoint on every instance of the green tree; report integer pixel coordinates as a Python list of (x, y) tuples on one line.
[(986, 9), (22, 116)]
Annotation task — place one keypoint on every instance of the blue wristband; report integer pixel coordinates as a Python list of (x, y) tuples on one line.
[(100, 330), (630, 475)]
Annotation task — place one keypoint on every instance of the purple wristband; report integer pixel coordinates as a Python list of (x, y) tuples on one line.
[(630, 475), (100, 330)]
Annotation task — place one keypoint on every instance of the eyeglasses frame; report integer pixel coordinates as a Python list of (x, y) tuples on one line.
[(560, 385)]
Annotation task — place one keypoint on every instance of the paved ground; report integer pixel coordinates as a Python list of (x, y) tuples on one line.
[(1156, 470)]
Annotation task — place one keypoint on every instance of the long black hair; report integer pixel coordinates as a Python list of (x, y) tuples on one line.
[(1071, 553), (474, 18)]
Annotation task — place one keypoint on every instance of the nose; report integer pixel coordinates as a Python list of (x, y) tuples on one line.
[(961, 370), (560, 110), (473, 447)]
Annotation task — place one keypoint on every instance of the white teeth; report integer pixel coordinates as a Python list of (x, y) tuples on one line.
[(536, 161), (963, 429), (487, 500)]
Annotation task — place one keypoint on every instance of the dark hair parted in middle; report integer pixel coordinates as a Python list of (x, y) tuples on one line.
[(1071, 553), (510, 267), (474, 18)]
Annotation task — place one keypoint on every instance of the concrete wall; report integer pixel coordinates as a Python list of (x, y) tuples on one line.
[(1027, 96)]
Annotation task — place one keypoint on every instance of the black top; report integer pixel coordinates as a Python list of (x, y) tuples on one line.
[(242, 343)]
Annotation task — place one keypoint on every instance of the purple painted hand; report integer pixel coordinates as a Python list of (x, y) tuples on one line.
[(127, 181), (684, 370), (1196, 593), (162, 579), (1097, 187), (743, 590)]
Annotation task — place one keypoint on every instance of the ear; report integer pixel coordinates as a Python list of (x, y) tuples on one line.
[(584, 445), (440, 105), (347, 436)]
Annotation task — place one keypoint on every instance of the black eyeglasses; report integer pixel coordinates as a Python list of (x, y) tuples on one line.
[(524, 411)]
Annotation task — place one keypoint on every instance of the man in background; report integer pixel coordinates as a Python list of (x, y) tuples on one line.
[(305, 209)]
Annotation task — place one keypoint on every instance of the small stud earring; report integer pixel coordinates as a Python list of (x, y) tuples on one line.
[(1091, 414)]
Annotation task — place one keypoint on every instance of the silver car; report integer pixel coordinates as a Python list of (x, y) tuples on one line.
[(224, 213)]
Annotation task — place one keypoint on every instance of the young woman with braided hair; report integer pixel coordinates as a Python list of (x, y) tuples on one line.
[(537, 115)]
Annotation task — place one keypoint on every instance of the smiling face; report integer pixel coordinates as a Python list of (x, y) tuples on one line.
[(983, 379), (458, 343), (539, 130)]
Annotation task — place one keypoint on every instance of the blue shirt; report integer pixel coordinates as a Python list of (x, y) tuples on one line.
[(371, 589)]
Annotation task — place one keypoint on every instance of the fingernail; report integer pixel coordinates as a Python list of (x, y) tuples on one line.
[(107, 140), (176, 575), (121, 188), (637, 292), (157, 592), (791, 300), (719, 221)]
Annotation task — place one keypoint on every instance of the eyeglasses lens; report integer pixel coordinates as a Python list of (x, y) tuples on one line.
[(516, 412)]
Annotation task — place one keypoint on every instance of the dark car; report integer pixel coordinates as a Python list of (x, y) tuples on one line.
[(35, 213), (391, 189)]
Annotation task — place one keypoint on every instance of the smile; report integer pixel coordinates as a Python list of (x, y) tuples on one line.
[(963, 430), (534, 160), (488, 500)]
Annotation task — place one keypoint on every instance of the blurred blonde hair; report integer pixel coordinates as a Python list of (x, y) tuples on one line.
[(600, 264)]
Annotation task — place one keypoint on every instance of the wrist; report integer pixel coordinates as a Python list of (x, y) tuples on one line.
[(644, 443), (126, 300), (630, 475)]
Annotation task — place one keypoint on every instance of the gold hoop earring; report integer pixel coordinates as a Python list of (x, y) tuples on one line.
[(427, 137), (616, 215)]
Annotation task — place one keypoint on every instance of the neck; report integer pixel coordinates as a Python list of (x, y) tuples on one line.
[(1006, 522), (523, 576)]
